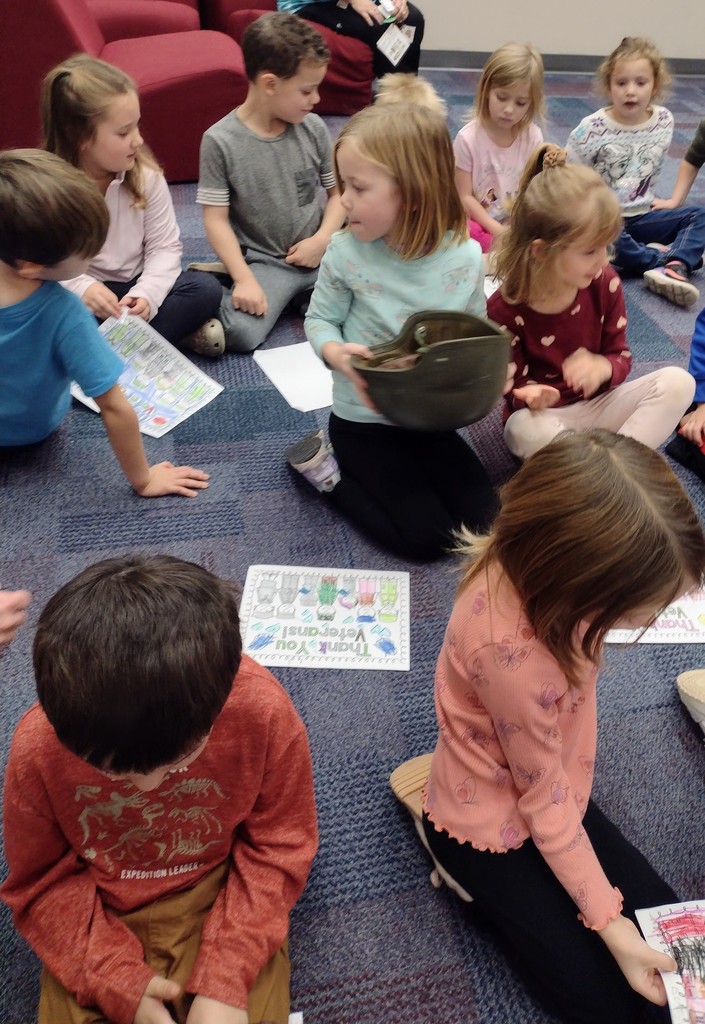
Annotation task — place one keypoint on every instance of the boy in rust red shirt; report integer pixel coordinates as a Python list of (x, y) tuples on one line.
[(159, 811)]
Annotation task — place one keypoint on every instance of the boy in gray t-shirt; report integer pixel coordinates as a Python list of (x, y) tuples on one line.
[(261, 170)]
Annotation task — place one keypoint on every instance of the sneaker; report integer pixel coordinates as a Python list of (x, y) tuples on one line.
[(672, 282), (208, 340), (691, 687), (407, 782), (313, 458), (210, 268)]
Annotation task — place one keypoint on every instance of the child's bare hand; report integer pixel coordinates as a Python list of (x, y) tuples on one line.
[(585, 372), (210, 1011), (663, 204), (248, 297), (306, 253), (151, 1008), (537, 396), (137, 305), (638, 962), (693, 425), (13, 604), (166, 478), (339, 358), (101, 301)]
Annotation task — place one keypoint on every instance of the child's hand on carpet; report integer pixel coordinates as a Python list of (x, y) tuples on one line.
[(166, 478)]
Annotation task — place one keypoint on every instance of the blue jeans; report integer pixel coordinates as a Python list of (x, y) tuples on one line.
[(683, 229)]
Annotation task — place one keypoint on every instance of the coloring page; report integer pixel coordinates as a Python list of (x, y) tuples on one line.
[(326, 618), (680, 931), (163, 386), (683, 622)]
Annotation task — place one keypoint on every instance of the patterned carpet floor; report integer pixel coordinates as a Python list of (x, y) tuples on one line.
[(371, 940)]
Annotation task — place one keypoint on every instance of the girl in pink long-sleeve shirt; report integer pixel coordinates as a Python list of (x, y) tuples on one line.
[(594, 531), (90, 117)]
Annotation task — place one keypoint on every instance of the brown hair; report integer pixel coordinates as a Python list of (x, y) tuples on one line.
[(412, 144), (134, 659), (280, 43), (506, 67), (557, 204), (49, 210), (592, 527), (635, 48), (76, 95)]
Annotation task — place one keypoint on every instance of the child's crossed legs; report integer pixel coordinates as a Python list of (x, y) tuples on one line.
[(170, 932), (647, 409), (281, 282)]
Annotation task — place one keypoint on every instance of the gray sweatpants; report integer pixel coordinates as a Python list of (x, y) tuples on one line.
[(280, 282)]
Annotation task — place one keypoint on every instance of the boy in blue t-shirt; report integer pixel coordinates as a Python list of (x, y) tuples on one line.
[(52, 222)]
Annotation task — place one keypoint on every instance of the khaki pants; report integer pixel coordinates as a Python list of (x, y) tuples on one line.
[(170, 932)]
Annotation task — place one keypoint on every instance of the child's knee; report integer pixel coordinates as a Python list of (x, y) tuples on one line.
[(678, 384), (243, 332), (525, 432)]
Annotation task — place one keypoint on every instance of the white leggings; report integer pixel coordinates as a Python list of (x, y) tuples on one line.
[(647, 409)]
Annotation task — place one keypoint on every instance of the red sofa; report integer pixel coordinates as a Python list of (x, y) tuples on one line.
[(187, 80), (125, 19), (347, 86)]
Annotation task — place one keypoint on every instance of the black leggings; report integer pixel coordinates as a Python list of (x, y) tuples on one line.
[(347, 22), (407, 489), (566, 965)]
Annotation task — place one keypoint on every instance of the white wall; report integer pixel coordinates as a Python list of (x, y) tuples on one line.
[(591, 27)]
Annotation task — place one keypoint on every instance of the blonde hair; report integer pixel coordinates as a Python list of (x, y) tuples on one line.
[(635, 48), (412, 145), (49, 210), (592, 527), (75, 98), (557, 204), (407, 88), (506, 67)]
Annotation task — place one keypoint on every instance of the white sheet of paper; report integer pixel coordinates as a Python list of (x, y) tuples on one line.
[(314, 617), (680, 929), (683, 622), (298, 375), (296, 1018)]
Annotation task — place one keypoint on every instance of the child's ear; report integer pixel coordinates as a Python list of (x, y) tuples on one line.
[(28, 270), (538, 248), (268, 82)]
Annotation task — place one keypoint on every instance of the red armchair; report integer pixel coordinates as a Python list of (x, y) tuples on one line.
[(187, 80), (347, 86), (126, 19)]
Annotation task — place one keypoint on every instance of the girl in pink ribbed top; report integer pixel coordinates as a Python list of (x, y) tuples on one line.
[(594, 532)]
